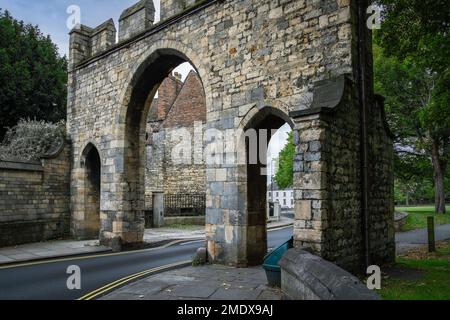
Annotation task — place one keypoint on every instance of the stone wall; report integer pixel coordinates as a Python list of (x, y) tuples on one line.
[(327, 179), (308, 277), (252, 56), (34, 199), (381, 182)]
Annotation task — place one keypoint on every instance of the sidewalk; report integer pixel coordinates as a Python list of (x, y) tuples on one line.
[(47, 250), (417, 238), (211, 282), (66, 248), (168, 234)]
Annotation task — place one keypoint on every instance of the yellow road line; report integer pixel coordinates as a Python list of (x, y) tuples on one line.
[(25, 264), (100, 291), (92, 256)]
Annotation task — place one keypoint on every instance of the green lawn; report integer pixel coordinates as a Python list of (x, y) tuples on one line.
[(433, 282), (418, 217)]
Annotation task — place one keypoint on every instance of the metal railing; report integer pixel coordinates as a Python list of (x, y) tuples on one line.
[(185, 204)]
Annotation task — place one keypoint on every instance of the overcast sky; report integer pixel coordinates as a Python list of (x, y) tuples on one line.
[(51, 16)]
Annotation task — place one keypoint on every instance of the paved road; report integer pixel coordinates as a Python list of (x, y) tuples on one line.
[(47, 281), (416, 238)]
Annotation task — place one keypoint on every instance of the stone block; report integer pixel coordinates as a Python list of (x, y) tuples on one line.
[(303, 210)]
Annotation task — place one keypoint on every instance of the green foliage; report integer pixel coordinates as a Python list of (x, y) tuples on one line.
[(30, 140), (412, 58), (33, 76), (285, 174), (417, 29)]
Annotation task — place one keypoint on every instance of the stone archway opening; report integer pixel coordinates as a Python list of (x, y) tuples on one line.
[(144, 103), (92, 179), (264, 124), (177, 112)]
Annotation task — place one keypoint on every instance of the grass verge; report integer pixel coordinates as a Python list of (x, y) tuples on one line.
[(417, 218), (419, 276)]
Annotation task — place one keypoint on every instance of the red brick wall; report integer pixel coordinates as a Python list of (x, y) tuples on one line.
[(189, 106), (167, 93)]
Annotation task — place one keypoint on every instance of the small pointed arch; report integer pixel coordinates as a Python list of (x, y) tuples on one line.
[(91, 165)]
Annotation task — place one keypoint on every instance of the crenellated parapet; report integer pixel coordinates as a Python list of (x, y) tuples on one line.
[(86, 42), (170, 8), (136, 19), (80, 47), (103, 37)]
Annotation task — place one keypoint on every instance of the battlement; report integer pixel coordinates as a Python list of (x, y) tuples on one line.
[(80, 47), (136, 19), (170, 8), (86, 42), (103, 37)]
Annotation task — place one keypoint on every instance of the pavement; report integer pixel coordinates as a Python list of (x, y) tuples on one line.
[(66, 248), (417, 238), (210, 282), (47, 250), (167, 234)]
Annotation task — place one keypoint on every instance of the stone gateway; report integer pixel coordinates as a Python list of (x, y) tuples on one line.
[(262, 63)]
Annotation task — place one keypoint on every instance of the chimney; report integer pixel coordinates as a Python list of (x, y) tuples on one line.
[(177, 76)]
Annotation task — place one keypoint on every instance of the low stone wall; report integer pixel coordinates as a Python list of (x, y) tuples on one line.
[(196, 221), (400, 219), (308, 277), (34, 199)]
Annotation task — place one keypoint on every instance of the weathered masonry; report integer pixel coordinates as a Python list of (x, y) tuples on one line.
[(262, 63), (34, 198)]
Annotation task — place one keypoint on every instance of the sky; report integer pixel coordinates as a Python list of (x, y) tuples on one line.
[(51, 16)]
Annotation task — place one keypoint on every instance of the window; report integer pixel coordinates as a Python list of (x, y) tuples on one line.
[(292, 202), (284, 201), (277, 194), (270, 194)]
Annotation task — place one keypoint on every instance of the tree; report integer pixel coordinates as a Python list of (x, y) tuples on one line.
[(33, 76), (412, 71), (285, 173)]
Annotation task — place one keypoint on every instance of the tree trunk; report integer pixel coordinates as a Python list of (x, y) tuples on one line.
[(439, 173)]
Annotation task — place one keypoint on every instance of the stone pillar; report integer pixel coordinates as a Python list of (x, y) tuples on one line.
[(310, 182), (276, 212), (158, 209)]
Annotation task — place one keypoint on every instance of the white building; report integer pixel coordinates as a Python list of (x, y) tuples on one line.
[(284, 197)]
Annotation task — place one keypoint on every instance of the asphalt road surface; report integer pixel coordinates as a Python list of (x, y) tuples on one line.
[(48, 280)]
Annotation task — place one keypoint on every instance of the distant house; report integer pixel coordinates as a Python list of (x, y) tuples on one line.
[(284, 197)]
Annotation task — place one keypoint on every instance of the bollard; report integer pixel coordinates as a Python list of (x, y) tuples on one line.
[(158, 209), (431, 238)]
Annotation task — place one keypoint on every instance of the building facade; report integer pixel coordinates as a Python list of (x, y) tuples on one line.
[(285, 197)]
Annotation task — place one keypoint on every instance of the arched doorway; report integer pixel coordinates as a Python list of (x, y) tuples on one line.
[(92, 179), (143, 88), (259, 130)]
